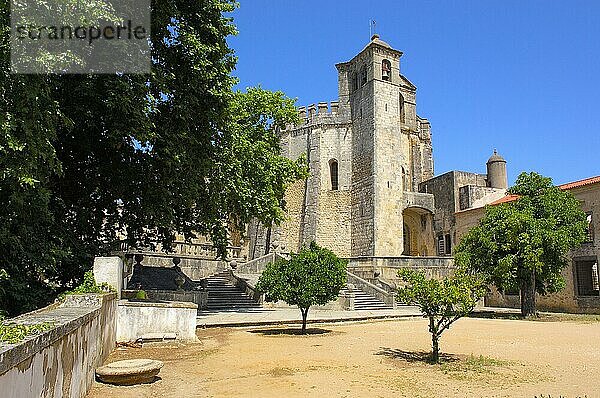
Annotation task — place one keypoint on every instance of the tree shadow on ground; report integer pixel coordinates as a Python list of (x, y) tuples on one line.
[(496, 315), (414, 356), (290, 331)]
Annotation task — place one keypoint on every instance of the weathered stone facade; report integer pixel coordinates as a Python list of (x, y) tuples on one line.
[(367, 154), (455, 191)]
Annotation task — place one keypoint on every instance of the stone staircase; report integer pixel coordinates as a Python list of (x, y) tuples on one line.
[(224, 295), (364, 301)]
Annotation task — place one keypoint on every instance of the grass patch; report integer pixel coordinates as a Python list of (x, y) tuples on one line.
[(579, 318), (474, 364), (541, 317), (280, 372)]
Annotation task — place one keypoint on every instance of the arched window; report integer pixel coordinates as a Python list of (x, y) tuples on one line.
[(401, 108), (333, 173), (386, 69), (363, 75)]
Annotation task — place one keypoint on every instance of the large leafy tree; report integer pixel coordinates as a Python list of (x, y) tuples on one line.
[(84, 157), (523, 244), (314, 276)]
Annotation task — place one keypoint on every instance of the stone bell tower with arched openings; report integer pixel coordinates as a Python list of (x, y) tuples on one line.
[(391, 155), (367, 154)]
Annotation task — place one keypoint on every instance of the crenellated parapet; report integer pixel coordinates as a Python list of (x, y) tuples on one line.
[(321, 113)]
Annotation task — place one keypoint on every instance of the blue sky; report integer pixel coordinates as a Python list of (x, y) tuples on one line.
[(519, 76)]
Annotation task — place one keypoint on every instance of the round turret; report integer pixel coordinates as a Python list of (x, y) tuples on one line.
[(496, 172)]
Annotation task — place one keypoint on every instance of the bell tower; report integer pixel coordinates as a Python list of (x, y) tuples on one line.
[(391, 147)]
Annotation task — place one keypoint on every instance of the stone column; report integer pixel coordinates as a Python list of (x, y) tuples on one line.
[(109, 270)]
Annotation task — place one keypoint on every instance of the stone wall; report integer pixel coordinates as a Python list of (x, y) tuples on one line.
[(60, 362), (289, 231), (137, 318), (442, 188), (471, 196), (467, 219), (363, 184), (314, 211), (387, 267), (455, 191), (198, 297)]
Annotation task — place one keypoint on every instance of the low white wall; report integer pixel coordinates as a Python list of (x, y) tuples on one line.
[(60, 362), (137, 318)]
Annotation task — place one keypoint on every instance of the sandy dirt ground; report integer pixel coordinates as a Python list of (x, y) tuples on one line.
[(376, 359)]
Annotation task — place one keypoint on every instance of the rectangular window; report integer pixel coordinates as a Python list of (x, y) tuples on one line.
[(448, 245), (441, 246), (586, 272)]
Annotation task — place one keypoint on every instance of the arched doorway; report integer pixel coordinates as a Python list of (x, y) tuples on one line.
[(418, 239)]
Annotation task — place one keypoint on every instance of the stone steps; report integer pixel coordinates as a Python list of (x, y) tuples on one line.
[(223, 295), (364, 301)]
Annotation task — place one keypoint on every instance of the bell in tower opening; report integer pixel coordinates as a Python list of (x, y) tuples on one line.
[(386, 69)]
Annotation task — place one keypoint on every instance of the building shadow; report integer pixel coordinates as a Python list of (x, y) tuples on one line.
[(159, 278)]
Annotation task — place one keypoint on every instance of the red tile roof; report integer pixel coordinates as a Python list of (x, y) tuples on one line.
[(567, 186), (580, 183), (507, 198)]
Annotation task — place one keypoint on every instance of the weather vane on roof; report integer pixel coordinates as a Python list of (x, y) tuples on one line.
[(372, 27)]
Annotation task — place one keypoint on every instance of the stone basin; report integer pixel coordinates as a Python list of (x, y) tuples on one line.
[(129, 372)]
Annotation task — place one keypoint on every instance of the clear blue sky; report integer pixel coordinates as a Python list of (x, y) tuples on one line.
[(519, 76)]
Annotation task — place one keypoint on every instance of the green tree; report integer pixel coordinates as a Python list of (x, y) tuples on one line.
[(314, 276), (83, 157), (442, 301), (523, 244)]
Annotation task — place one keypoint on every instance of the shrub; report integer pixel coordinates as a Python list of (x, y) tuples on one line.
[(442, 301), (314, 276)]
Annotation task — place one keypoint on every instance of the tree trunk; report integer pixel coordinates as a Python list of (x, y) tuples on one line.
[(304, 312), (528, 295), (435, 348)]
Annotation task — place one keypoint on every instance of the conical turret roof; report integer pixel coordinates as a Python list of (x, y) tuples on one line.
[(496, 158)]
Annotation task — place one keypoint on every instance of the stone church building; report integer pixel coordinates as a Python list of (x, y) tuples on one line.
[(372, 197), (371, 190)]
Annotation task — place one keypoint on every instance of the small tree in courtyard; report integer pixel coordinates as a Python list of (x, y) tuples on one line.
[(314, 276), (442, 301), (522, 244)]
